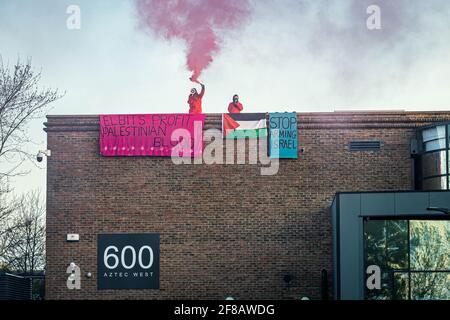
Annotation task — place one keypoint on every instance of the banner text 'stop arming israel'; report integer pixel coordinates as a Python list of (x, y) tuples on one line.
[(283, 135)]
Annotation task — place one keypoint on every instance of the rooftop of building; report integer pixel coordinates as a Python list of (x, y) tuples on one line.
[(306, 120)]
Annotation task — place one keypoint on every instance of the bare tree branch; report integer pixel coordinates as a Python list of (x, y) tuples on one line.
[(24, 250), (21, 100)]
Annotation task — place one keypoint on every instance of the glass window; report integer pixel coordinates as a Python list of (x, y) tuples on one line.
[(435, 145), (430, 286), (434, 138), (448, 128), (433, 133), (434, 160), (437, 183), (430, 245), (400, 286), (434, 164), (385, 293), (413, 255), (387, 243)]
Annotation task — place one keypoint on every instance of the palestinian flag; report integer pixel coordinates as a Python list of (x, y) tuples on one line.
[(244, 125)]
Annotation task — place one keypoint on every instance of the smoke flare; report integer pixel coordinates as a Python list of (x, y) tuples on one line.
[(198, 22)]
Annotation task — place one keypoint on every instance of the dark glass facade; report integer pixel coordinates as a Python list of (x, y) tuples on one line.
[(413, 255), (432, 163), (389, 246)]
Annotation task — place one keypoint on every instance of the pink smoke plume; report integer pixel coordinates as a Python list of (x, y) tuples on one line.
[(198, 22)]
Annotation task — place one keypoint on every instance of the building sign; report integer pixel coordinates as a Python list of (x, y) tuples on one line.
[(128, 261), (283, 135), (150, 134)]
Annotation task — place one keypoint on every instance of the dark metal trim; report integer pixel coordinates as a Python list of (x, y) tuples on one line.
[(392, 191), (338, 249), (431, 216), (447, 142)]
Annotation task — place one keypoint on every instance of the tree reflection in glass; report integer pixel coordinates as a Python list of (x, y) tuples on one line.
[(430, 251), (422, 261), (387, 247)]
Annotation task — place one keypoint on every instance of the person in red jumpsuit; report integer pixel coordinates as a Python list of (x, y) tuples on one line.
[(195, 100), (235, 106)]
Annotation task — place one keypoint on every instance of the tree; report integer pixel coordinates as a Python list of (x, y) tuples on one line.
[(7, 208), (21, 101), (26, 239), (415, 253), (430, 250)]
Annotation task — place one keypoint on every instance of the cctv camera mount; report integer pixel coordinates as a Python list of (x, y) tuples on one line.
[(47, 152), (41, 154)]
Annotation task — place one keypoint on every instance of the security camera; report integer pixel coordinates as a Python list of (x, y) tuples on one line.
[(41, 154), (39, 157)]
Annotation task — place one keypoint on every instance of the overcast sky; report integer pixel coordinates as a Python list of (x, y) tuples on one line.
[(303, 55)]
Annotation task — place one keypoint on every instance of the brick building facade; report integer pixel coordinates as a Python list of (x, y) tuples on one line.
[(225, 229)]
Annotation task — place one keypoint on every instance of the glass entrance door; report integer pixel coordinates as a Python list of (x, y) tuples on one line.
[(413, 255)]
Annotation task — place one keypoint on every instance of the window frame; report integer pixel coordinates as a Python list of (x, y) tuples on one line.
[(422, 151), (392, 272)]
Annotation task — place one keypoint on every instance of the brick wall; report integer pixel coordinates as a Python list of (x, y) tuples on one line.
[(225, 229)]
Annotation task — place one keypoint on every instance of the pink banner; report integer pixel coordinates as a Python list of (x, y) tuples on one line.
[(151, 135)]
